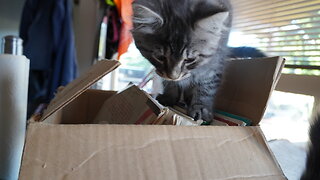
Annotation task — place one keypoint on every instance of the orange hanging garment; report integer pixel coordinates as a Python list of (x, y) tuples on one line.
[(125, 10)]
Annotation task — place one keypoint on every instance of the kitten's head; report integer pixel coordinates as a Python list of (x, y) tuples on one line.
[(178, 36)]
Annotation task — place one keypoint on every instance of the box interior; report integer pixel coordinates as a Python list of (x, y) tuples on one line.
[(85, 107), (245, 90)]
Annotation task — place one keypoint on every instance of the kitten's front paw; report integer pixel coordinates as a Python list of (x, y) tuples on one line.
[(200, 112), (166, 100)]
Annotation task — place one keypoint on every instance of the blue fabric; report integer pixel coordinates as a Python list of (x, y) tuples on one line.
[(46, 28)]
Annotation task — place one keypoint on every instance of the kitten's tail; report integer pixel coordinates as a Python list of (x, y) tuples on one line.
[(312, 170)]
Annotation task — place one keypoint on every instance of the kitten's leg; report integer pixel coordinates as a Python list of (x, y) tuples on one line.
[(171, 94), (202, 99)]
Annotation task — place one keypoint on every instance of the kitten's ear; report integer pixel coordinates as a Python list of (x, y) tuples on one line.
[(214, 22), (145, 20), (205, 8)]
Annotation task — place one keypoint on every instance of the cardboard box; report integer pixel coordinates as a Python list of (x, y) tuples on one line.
[(64, 145)]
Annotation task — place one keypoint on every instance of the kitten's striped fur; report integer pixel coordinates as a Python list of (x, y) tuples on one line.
[(186, 42)]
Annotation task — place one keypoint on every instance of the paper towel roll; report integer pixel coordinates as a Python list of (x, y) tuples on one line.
[(14, 74)]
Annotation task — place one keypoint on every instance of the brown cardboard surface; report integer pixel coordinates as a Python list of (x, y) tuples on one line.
[(247, 85), (84, 108), (128, 107), (139, 152), (79, 85), (55, 150), (81, 110)]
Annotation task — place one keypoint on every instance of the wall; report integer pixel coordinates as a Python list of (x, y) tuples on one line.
[(87, 16), (10, 13)]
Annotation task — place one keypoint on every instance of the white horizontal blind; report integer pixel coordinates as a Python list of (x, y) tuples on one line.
[(288, 28)]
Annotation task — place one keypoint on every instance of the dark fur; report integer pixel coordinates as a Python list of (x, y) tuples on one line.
[(170, 43), (312, 170), (245, 52)]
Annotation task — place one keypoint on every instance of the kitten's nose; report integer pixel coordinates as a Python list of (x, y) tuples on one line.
[(173, 75), (173, 72)]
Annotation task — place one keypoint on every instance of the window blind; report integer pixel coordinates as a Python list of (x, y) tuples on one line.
[(288, 28)]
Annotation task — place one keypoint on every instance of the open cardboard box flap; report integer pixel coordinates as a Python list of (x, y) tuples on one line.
[(80, 85), (104, 151), (247, 86)]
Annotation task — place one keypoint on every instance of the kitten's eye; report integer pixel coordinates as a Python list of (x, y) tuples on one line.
[(189, 60), (161, 59)]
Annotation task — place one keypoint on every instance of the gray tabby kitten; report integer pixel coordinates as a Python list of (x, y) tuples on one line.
[(186, 41)]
